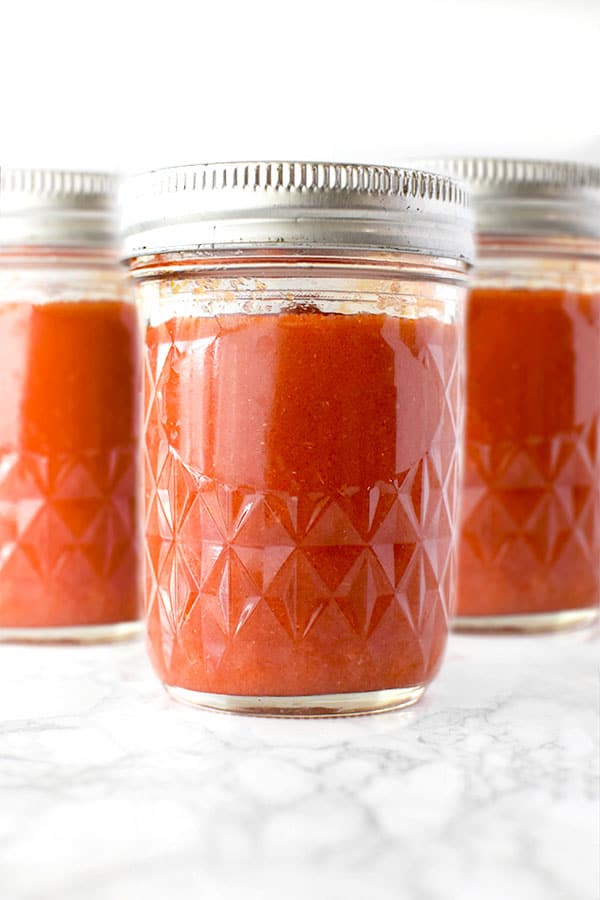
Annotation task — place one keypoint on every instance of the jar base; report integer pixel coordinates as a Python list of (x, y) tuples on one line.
[(73, 634), (528, 623), (311, 706)]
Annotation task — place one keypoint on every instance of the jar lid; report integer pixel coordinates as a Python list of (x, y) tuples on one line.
[(48, 207), (529, 196), (299, 204)]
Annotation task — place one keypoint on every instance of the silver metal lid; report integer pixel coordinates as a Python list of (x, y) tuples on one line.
[(48, 207), (529, 196), (299, 204)]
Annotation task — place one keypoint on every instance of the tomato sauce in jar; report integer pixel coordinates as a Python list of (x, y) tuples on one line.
[(69, 453), (531, 527), (301, 524), (529, 550), (70, 416), (302, 401)]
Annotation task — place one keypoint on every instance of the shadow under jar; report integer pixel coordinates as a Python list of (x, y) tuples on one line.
[(301, 408), (70, 413), (529, 552)]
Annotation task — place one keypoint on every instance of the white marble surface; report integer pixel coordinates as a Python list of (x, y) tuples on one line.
[(488, 790)]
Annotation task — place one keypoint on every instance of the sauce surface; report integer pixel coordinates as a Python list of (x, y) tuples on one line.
[(530, 535), (69, 443), (300, 491)]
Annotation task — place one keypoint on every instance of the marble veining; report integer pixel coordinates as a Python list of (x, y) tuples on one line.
[(487, 789)]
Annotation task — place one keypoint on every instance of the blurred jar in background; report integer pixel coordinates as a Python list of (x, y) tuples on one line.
[(302, 397), (529, 555), (70, 350)]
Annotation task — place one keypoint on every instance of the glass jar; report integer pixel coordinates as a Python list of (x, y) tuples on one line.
[(302, 401), (70, 413), (529, 557)]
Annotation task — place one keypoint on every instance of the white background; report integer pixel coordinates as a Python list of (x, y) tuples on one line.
[(487, 788), (133, 85)]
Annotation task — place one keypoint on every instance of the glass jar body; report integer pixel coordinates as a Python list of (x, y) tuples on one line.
[(529, 549), (70, 424), (301, 477)]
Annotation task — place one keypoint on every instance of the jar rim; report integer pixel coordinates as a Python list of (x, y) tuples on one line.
[(296, 204), (58, 208), (520, 197)]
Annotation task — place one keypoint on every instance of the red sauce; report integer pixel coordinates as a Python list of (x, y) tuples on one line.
[(69, 545), (300, 494), (530, 538)]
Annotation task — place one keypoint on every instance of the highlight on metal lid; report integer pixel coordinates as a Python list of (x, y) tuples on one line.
[(529, 196), (296, 204), (52, 207)]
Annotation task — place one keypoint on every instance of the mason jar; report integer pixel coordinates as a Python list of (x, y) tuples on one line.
[(529, 557), (302, 400), (70, 413)]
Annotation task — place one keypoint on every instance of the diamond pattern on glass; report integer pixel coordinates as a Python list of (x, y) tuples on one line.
[(373, 565), (530, 542), (66, 526)]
